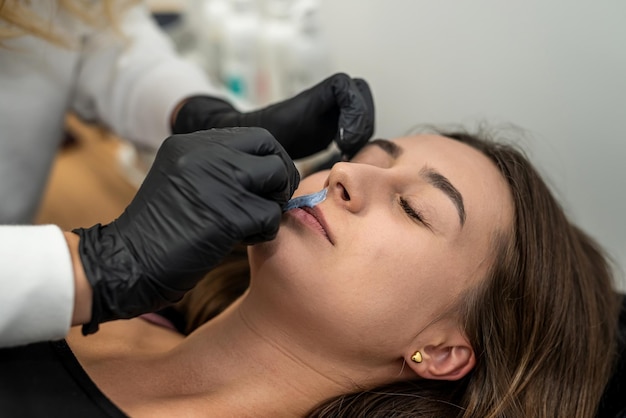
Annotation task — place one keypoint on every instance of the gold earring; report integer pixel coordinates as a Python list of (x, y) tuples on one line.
[(417, 357)]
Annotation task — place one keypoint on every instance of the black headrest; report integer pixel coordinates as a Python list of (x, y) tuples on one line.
[(613, 404)]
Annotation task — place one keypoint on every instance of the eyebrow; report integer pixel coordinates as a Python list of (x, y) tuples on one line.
[(432, 176), (386, 145)]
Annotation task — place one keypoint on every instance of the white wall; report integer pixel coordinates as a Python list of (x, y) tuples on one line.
[(556, 68)]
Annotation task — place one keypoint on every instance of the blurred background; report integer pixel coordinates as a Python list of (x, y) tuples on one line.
[(555, 69)]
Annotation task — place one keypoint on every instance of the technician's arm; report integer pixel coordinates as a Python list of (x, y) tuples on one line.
[(132, 83), (186, 216), (339, 108), (83, 294), (137, 85)]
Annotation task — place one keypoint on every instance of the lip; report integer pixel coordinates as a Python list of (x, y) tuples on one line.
[(313, 218)]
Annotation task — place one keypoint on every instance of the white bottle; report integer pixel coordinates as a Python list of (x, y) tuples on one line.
[(239, 52), (209, 19), (277, 32), (307, 59), (199, 37)]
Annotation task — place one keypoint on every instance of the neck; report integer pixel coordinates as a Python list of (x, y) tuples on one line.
[(250, 370)]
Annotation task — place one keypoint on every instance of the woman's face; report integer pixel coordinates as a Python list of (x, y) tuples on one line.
[(406, 227)]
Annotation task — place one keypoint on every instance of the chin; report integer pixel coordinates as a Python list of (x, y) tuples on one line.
[(259, 254), (274, 258)]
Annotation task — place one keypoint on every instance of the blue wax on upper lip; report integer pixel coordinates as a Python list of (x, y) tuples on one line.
[(308, 200)]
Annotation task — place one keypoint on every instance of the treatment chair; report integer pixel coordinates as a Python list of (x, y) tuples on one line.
[(613, 404)]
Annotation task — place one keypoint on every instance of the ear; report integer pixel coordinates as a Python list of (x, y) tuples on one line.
[(450, 359)]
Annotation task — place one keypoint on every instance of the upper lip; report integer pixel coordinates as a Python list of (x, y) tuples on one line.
[(317, 214)]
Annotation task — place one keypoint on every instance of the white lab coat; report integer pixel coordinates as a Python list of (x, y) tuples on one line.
[(36, 284), (129, 84)]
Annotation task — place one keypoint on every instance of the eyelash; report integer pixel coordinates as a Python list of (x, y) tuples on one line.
[(410, 211)]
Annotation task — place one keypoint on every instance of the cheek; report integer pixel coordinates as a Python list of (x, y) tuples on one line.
[(377, 295), (288, 258), (394, 279)]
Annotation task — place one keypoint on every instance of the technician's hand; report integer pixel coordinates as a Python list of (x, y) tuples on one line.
[(339, 108), (205, 192)]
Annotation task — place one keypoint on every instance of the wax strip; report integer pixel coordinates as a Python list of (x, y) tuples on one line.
[(308, 200)]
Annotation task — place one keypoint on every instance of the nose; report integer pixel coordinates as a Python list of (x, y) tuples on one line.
[(353, 186)]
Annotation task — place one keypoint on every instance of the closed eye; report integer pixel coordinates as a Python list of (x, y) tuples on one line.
[(415, 214)]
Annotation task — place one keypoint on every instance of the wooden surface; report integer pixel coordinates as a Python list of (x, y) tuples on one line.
[(87, 184)]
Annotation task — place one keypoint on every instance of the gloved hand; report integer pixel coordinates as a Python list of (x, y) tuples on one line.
[(339, 108), (206, 192)]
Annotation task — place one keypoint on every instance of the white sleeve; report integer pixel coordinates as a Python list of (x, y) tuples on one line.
[(132, 81), (36, 284)]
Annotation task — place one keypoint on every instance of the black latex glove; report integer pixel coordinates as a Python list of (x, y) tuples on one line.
[(206, 192), (339, 108)]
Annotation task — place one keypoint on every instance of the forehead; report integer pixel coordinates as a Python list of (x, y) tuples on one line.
[(459, 162), (442, 149)]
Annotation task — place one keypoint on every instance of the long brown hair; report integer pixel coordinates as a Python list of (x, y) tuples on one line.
[(542, 324), (218, 289), (17, 18)]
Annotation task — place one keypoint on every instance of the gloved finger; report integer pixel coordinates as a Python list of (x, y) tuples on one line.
[(260, 142), (254, 141), (356, 113), (266, 176), (264, 220), (368, 129)]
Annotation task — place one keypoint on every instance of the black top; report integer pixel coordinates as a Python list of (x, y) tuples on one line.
[(46, 380)]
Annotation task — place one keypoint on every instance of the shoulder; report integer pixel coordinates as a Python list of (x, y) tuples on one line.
[(121, 338)]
